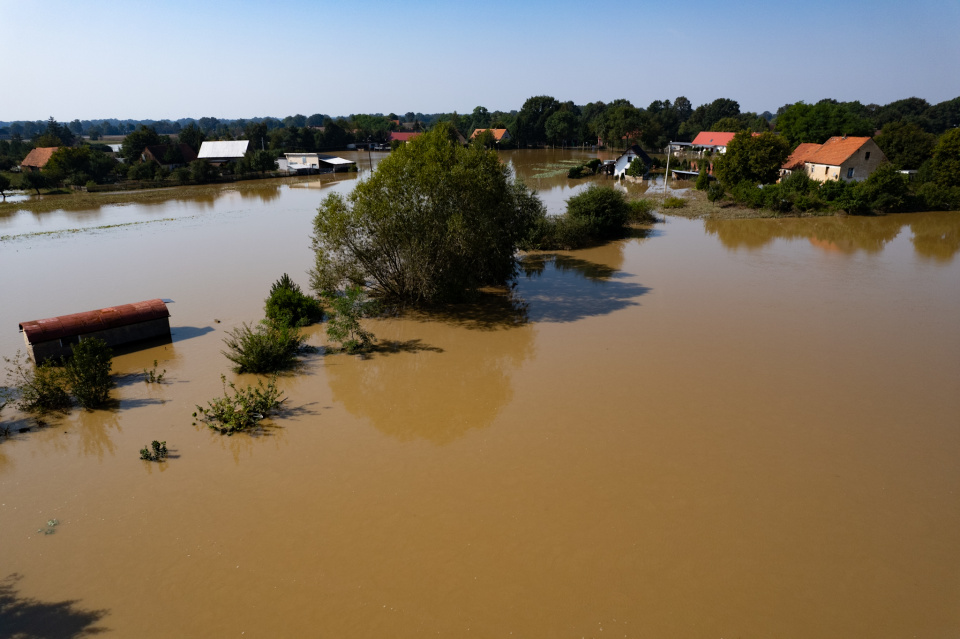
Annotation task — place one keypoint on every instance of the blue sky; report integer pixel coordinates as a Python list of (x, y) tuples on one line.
[(172, 59)]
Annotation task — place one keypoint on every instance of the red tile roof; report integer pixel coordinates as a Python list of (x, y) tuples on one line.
[(497, 133), (713, 138), (39, 157), (837, 150), (403, 136), (800, 155), (92, 321)]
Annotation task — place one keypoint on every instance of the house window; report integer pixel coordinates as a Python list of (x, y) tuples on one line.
[(850, 172), (825, 169), (865, 157)]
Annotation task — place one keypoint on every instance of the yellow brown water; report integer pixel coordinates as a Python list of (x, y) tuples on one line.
[(740, 428)]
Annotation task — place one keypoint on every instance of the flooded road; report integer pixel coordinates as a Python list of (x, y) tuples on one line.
[(727, 428)]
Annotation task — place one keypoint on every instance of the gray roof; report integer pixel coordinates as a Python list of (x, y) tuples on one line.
[(228, 149)]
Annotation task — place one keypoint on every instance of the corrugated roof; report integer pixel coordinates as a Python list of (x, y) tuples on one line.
[(39, 157), (837, 150), (223, 149), (800, 155), (90, 321), (713, 138)]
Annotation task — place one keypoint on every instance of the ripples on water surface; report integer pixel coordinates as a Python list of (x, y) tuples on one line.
[(725, 428)]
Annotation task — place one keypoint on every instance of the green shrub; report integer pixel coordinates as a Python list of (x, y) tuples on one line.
[(267, 347), (715, 192), (39, 389), (833, 190), (594, 164), (88, 372), (287, 304), (181, 175), (159, 452), (344, 323), (773, 199), (604, 209), (576, 172), (637, 168), (674, 203), (703, 179), (748, 194), (201, 171), (641, 211), (242, 409)]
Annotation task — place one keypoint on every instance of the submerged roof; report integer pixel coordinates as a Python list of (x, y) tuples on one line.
[(713, 138), (800, 155), (837, 150), (39, 157), (91, 321), (223, 149)]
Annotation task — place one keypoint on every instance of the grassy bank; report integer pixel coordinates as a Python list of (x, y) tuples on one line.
[(697, 207)]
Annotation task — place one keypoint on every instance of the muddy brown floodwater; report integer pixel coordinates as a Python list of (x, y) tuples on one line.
[(737, 428)]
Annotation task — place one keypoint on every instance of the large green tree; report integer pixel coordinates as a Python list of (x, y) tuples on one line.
[(752, 158), (818, 122), (906, 144), (137, 141), (532, 119), (434, 222)]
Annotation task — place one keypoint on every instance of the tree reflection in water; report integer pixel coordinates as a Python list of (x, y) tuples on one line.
[(936, 235)]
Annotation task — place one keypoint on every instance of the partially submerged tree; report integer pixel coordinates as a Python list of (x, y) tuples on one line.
[(434, 222)]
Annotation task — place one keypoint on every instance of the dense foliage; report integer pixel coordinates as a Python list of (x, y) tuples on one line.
[(752, 158), (598, 214), (287, 304), (38, 389), (241, 408), (344, 326), (266, 347), (88, 373), (434, 222)]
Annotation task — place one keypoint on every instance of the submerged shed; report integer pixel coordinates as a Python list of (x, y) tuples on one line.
[(54, 337)]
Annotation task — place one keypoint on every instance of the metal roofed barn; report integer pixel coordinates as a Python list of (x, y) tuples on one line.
[(54, 337), (223, 151)]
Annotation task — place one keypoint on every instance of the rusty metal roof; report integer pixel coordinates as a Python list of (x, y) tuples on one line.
[(103, 319)]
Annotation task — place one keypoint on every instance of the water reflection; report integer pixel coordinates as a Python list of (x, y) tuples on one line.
[(936, 235), (562, 288), (95, 429), (454, 380)]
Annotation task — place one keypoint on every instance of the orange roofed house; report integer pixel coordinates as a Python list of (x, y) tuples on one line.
[(37, 158), (840, 158), (500, 135)]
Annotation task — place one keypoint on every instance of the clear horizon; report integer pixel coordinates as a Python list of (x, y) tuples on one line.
[(244, 59)]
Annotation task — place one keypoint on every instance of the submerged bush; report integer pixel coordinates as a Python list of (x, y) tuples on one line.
[(287, 304), (39, 389), (88, 373), (344, 324), (602, 208), (673, 202), (159, 452), (641, 211), (241, 409), (266, 347)]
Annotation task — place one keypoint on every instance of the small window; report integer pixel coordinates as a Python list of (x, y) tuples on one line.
[(825, 169), (865, 157), (850, 172), (70, 340)]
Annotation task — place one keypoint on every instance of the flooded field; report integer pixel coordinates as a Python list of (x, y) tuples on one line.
[(727, 428)]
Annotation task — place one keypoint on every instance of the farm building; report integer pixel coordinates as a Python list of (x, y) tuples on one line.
[(622, 163), (220, 152), (316, 163), (37, 158), (54, 337)]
